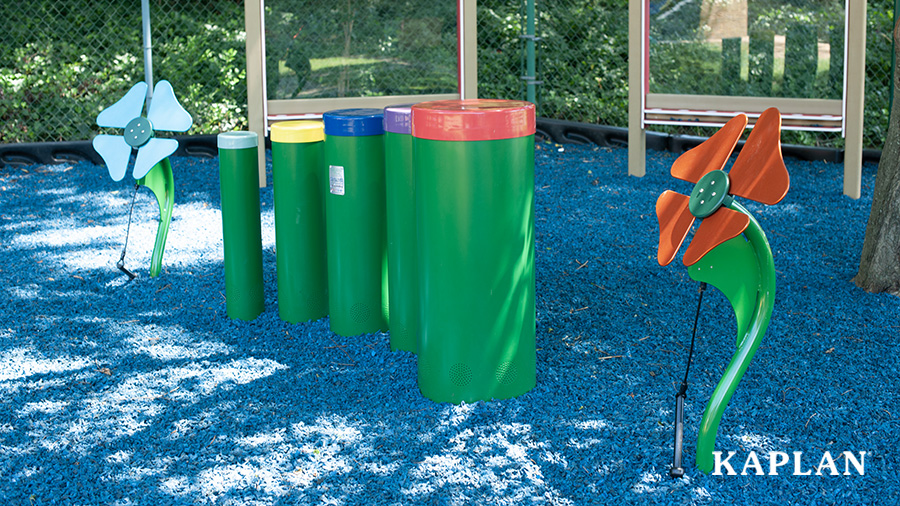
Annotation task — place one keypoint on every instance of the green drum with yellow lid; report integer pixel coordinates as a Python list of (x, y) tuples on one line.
[(299, 186)]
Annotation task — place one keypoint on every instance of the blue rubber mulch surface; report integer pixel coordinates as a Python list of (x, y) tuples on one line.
[(144, 392)]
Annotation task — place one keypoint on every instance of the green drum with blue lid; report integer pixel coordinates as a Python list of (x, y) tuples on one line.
[(474, 170), (403, 292), (298, 185), (356, 234), (241, 230)]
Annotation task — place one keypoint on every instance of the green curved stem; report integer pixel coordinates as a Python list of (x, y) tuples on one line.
[(745, 271), (162, 183)]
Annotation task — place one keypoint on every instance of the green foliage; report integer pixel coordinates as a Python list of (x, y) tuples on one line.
[(879, 41), (582, 57), (65, 60), (49, 79), (689, 64), (72, 58), (344, 48), (689, 67), (778, 17), (500, 50), (207, 67), (590, 83)]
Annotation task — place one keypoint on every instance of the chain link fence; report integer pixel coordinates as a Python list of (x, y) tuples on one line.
[(62, 61), (359, 48), (696, 47), (582, 57)]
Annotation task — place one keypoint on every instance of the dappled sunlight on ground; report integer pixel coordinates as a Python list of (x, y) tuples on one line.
[(143, 392)]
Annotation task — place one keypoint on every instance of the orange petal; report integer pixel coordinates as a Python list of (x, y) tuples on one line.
[(759, 173), (712, 153), (724, 224), (675, 221)]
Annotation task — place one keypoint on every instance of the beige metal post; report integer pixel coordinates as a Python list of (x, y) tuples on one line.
[(855, 87), (637, 137), (468, 40), (259, 108), (256, 79)]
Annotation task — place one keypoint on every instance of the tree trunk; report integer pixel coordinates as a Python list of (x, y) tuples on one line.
[(879, 265)]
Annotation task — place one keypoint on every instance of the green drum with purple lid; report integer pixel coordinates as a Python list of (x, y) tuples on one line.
[(474, 163), (403, 292), (241, 229), (356, 236), (298, 185)]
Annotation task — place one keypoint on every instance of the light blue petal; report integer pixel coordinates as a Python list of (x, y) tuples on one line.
[(126, 109), (115, 152), (165, 111), (152, 153)]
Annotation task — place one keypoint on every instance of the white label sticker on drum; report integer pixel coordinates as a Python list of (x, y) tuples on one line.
[(336, 178)]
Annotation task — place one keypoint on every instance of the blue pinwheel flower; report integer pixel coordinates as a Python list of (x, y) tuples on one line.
[(164, 114)]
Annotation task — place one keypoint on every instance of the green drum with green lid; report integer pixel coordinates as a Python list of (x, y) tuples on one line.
[(474, 163), (241, 230), (298, 185), (403, 290), (355, 221)]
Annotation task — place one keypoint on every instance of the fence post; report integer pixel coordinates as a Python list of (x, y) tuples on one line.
[(762, 64), (637, 137), (801, 56), (530, 94), (856, 86), (730, 77), (836, 60)]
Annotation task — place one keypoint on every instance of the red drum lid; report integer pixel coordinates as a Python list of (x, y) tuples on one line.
[(472, 120)]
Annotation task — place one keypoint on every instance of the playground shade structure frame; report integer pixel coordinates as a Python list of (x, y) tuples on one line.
[(844, 115), (262, 112)]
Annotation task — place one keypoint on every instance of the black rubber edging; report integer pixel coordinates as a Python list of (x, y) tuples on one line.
[(35, 153), (559, 131), (570, 132)]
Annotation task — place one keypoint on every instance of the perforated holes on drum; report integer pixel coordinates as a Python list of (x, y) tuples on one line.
[(460, 374), (360, 313)]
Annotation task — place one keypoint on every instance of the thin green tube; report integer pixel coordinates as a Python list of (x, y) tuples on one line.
[(403, 289), (299, 187), (356, 234), (241, 233), (475, 206)]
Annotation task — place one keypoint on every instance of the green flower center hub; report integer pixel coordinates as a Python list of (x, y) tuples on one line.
[(710, 193), (138, 132)]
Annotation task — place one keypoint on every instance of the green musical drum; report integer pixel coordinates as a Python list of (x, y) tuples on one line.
[(298, 185), (403, 290), (474, 163), (355, 221), (241, 230)]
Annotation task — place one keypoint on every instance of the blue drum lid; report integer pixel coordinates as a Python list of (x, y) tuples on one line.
[(354, 122)]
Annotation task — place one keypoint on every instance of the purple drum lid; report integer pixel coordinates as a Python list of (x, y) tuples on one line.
[(398, 119)]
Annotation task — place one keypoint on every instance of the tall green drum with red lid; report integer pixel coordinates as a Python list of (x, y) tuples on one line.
[(298, 185), (355, 221), (474, 163), (241, 228), (401, 227)]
